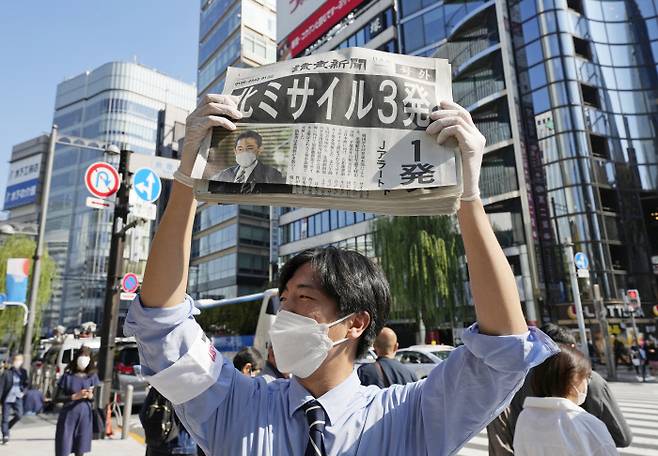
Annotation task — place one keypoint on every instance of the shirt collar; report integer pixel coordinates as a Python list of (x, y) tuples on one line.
[(554, 403), (334, 402), (248, 168)]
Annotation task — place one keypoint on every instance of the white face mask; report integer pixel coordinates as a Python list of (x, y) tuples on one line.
[(83, 362), (300, 343), (582, 395), (245, 159)]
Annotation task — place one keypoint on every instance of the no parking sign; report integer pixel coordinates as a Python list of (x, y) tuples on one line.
[(130, 283)]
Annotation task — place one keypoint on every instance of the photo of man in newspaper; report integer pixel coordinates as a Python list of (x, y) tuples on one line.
[(248, 167)]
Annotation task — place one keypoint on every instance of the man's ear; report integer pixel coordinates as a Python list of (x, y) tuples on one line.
[(246, 369), (360, 322)]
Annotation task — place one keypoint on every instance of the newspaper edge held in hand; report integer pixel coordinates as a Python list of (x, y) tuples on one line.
[(400, 200)]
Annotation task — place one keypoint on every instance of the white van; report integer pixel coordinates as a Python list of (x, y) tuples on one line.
[(58, 356)]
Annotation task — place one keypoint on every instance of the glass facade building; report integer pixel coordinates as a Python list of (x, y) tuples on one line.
[(231, 244), (564, 92), (117, 103)]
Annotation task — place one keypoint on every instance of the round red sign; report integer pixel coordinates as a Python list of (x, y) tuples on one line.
[(102, 180)]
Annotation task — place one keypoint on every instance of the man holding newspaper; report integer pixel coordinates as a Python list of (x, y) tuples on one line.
[(333, 303)]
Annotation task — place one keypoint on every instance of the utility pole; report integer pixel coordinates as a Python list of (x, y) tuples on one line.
[(575, 291), (38, 253), (602, 317), (112, 295)]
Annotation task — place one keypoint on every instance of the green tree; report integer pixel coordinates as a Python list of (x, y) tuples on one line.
[(11, 319), (421, 259)]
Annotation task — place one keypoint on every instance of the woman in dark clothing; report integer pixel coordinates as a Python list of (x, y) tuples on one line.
[(76, 390)]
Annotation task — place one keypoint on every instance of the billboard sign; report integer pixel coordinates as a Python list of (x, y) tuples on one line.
[(23, 182), (291, 13), (313, 26), (18, 271)]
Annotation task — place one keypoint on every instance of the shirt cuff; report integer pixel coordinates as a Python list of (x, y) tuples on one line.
[(192, 374), (514, 353)]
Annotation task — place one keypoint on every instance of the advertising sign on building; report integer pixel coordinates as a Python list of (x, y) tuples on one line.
[(18, 271), (314, 26), (291, 13), (23, 182)]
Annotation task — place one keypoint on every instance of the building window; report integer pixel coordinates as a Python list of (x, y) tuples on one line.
[(590, 95), (582, 48)]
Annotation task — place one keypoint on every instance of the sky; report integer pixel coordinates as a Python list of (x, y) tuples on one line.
[(44, 42)]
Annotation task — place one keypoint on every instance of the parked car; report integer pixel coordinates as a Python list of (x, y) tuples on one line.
[(421, 359), (125, 359)]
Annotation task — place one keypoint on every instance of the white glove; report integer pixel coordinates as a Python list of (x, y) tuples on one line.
[(201, 120), (453, 121)]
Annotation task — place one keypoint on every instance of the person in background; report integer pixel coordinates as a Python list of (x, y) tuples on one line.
[(248, 361), (600, 402), (14, 384), (163, 432), (270, 372), (652, 358), (76, 389), (386, 370), (554, 424), (639, 360)]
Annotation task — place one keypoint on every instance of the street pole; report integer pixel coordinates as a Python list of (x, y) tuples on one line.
[(112, 296), (575, 291), (602, 317), (38, 253)]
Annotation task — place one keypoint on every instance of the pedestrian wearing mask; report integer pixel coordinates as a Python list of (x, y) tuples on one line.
[(333, 304), (554, 424), (600, 402), (76, 390), (248, 361), (14, 384)]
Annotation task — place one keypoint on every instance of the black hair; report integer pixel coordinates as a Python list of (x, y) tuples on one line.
[(250, 134), (72, 367), (352, 280), (559, 334), (248, 355), (555, 376)]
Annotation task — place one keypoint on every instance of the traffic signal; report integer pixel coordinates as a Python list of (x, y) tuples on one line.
[(633, 299)]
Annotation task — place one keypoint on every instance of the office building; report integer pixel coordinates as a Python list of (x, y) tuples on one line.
[(564, 91), (230, 245), (117, 103), (23, 190)]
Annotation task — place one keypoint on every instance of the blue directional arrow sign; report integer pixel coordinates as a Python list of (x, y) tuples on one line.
[(581, 261), (3, 298), (147, 184)]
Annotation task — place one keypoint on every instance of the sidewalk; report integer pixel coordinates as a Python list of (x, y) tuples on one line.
[(625, 375), (35, 436)]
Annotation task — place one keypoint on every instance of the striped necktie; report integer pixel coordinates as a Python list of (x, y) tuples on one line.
[(241, 176), (316, 417)]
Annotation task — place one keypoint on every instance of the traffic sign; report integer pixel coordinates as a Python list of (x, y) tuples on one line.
[(582, 273), (581, 261), (3, 298), (127, 296), (98, 203), (102, 180), (146, 211), (130, 283), (147, 184)]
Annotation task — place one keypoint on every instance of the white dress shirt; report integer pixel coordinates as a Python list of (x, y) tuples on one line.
[(247, 171), (555, 426)]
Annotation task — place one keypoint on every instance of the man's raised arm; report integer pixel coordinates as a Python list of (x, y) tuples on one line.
[(496, 297), (165, 278)]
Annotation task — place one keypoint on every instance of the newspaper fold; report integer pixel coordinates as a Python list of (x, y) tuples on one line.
[(343, 130)]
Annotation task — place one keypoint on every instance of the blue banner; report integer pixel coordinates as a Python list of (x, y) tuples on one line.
[(21, 194), (232, 343)]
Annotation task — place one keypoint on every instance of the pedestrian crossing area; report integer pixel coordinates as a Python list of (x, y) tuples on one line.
[(638, 403)]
